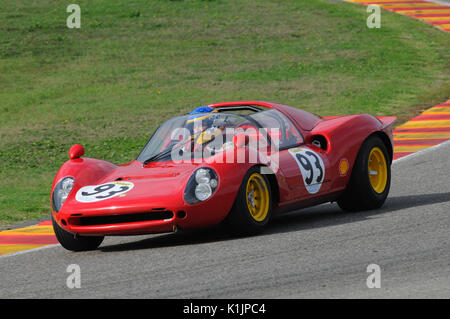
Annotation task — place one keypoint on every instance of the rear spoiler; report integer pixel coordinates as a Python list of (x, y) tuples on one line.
[(387, 120)]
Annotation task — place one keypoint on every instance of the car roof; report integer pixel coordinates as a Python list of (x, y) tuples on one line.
[(304, 119)]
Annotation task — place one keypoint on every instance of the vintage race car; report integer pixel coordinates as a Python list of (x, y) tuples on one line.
[(236, 163)]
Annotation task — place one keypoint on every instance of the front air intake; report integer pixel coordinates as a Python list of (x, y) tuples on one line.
[(120, 219)]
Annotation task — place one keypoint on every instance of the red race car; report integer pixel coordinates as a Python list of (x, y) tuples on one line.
[(236, 163)]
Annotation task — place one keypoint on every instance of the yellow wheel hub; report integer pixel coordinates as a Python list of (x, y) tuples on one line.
[(257, 195), (378, 172)]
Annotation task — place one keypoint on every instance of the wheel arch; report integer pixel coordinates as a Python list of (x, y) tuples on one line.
[(273, 183), (386, 141)]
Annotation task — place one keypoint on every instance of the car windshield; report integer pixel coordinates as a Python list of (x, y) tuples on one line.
[(205, 134)]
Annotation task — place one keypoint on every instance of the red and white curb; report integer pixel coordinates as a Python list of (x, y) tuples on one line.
[(430, 128), (14, 241), (436, 14)]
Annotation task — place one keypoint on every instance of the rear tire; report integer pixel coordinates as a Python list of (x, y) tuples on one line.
[(76, 243), (371, 178), (252, 208)]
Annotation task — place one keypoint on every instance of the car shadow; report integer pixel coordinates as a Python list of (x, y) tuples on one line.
[(331, 215), (309, 218)]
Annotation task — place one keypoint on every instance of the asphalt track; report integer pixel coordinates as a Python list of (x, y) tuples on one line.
[(318, 252)]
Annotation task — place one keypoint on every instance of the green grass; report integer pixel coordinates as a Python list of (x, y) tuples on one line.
[(135, 63)]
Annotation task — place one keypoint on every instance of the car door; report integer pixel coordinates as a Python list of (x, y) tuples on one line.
[(303, 167), (306, 169)]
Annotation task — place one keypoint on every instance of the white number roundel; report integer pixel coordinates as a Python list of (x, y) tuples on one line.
[(311, 167), (96, 193)]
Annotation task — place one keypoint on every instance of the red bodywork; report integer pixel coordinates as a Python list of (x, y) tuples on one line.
[(159, 186)]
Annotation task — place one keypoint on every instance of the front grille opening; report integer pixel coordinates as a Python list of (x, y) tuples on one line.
[(121, 219)]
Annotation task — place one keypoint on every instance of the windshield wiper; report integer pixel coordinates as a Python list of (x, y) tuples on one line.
[(162, 154), (166, 152), (158, 156)]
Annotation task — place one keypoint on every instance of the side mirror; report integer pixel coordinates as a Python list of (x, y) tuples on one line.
[(76, 151), (240, 140)]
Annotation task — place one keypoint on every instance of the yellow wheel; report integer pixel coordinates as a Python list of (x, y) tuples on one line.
[(377, 169), (257, 195), (370, 181), (252, 207)]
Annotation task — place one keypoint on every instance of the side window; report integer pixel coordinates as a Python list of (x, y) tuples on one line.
[(279, 127), (292, 136)]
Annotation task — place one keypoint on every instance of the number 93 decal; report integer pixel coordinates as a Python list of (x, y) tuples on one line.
[(311, 167), (96, 193)]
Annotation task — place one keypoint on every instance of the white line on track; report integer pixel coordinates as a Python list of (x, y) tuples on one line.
[(430, 149), (29, 251)]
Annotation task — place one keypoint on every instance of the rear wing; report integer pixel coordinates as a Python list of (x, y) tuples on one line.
[(387, 120)]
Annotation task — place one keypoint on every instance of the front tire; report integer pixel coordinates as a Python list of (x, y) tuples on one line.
[(252, 208), (371, 178), (76, 243)]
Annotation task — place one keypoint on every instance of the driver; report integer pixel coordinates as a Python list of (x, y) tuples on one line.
[(203, 124)]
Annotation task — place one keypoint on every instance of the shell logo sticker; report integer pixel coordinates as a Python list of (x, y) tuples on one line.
[(311, 166), (343, 167), (96, 193)]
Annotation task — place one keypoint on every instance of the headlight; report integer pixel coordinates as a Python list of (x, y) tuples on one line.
[(61, 191), (203, 191), (202, 176), (201, 185)]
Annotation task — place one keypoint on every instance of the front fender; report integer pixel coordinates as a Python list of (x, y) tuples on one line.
[(85, 170)]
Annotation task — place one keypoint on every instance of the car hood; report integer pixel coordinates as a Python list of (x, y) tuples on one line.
[(157, 170)]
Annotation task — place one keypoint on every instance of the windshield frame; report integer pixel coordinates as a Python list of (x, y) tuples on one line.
[(228, 112)]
